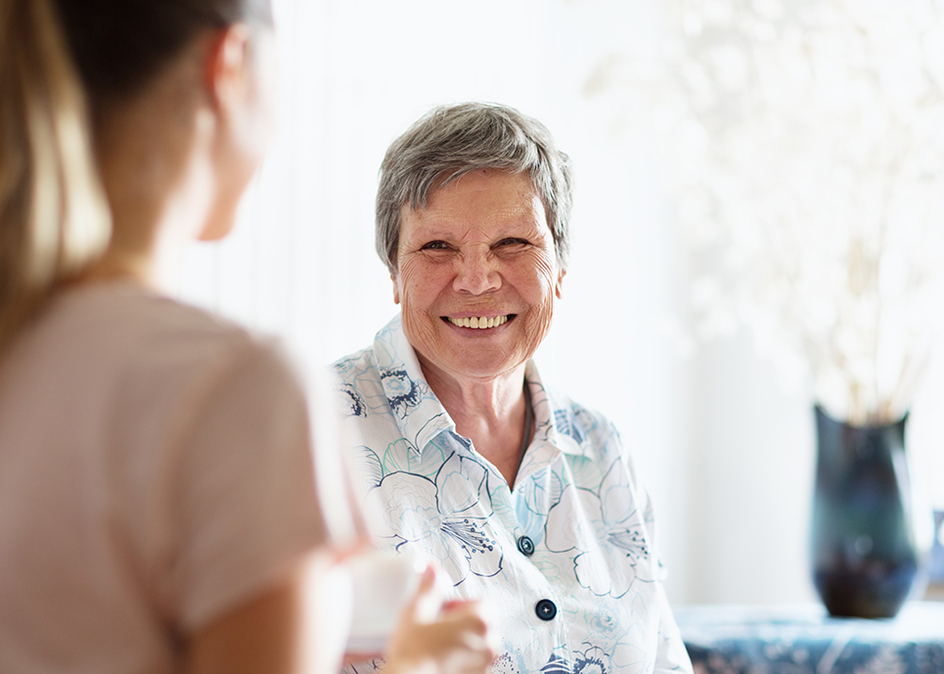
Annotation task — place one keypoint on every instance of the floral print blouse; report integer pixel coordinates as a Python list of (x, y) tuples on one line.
[(565, 557)]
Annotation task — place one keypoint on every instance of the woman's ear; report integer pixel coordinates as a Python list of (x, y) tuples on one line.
[(227, 72), (560, 281), (396, 287), (239, 75)]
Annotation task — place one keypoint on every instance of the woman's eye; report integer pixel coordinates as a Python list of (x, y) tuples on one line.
[(434, 245), (511, 241)]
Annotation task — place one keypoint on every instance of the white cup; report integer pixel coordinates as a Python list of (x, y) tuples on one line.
[(383, 583)]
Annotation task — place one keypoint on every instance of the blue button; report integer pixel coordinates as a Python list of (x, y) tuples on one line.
[(545, 609), (526, 546)]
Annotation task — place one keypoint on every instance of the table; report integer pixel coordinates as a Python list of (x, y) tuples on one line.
[(805, 640)]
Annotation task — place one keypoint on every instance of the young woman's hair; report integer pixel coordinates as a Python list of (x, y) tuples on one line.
[(53, 218), (60, 62)]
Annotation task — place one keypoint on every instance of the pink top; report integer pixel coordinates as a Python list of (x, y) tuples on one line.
[(155, 470)]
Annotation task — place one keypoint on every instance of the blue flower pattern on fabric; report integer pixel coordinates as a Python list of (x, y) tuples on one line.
[(352, 402), (556, 665), (576, 498), (403, 393)]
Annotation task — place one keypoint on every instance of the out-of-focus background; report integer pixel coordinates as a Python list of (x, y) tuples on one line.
[(722, 427)]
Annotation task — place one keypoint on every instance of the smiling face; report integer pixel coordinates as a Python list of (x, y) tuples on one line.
[(477, 276)]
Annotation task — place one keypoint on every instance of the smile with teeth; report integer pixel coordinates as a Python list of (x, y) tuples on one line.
[(477, 322)]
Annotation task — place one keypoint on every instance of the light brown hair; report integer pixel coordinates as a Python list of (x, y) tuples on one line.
[(53, 217)]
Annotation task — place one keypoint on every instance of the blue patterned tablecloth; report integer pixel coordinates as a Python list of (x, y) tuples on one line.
[(805, 640)]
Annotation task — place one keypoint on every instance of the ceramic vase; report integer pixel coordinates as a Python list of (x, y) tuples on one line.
[(868, 524)]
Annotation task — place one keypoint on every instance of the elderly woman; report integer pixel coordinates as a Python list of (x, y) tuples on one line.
[(523, 496)]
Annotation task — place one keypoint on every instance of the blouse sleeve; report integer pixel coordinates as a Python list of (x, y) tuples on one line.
[(246, 497), (671, 654)]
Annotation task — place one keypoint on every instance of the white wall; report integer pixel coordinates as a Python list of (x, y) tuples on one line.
[(726, 454), (752, 448)]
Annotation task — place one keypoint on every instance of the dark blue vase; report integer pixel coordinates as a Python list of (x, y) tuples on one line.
[(865, 543)]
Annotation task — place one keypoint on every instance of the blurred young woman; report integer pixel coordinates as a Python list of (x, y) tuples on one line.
[(158, 498)]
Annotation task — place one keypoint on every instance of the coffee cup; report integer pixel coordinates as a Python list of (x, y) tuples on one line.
[(383, 583)]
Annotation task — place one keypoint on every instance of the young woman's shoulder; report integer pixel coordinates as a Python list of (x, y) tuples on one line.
[(117, 350), (132, 332)]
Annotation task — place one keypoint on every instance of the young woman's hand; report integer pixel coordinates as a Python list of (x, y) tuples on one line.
[(433, 637)]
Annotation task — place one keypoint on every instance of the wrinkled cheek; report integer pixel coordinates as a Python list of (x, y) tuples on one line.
[(546, 314), (418, 325), (416, 298), (415, 322), (543, 312)]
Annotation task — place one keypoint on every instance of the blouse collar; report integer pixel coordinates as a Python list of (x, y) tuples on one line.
[(421, 417)]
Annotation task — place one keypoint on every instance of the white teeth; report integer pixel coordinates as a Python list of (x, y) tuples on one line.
[(479, 322)]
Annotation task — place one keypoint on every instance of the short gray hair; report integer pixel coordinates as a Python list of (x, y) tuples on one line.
[(451, 140)]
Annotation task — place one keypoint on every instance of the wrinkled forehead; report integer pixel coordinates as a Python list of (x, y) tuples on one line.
[(483, 182), (483, 193)]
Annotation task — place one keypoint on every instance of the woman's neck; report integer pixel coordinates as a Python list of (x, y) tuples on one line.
[(490, 412)]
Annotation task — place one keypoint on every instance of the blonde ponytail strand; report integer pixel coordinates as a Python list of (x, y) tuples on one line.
[(53, 216)]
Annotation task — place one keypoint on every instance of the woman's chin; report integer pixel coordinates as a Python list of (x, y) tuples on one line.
[(483, 365)]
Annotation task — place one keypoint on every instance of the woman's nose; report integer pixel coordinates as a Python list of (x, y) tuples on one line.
[(476, 273)]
